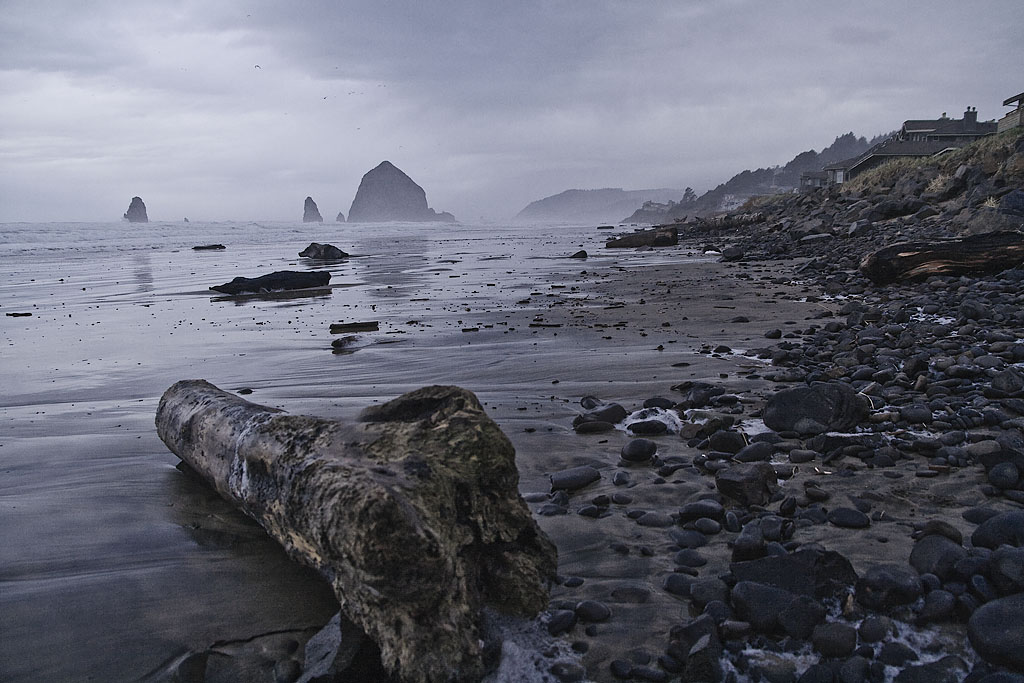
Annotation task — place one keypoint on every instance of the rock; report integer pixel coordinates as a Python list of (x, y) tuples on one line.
[(701, 508), (574, 478), (731, 254), (340, 218), (885, 586), (814, 573), (848, 518), (938, 606), (938, 555), (1006, 568), (581, 254), (136, 212), (387, 194), (834, 639), (949, 669), (592, 610), (311, 214), (799, 618), (638, 450), (413, 514), (275, 282), (324, 252), (760, 604), (996, 631), (1005, 475), (820, 407), (648, 427), (747, 484), (1005, 528), (208, 247)]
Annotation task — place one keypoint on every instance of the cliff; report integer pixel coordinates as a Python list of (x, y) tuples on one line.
[(310, 213), (387, 194), (136, 212), (607, 205)]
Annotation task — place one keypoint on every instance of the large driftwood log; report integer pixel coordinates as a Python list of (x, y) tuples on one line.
[(975, 255), (413, 514), (659, 236), (275, 282)]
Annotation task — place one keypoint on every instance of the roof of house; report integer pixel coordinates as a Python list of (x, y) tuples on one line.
[(949, 127), (902, 148), (1015, 98)]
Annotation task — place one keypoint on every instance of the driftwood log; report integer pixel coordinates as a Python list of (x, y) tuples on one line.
[(277, 281), (413, 513), (975, 255), (659, 236)]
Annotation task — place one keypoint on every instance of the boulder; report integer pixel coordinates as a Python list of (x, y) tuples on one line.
[(323, 252), (136, 212), (412, 513), (311, 214), (747, 484), (387, 194), (275, 282), (885, 586), (997, 632), (817, 408)]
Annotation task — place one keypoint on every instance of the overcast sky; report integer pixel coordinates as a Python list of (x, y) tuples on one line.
[(238, 110)]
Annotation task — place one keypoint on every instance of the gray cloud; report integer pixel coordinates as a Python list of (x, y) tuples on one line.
[(488, 105)]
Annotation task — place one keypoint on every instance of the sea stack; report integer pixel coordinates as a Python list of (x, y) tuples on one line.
[(340, 218), (136, 212), (311, 214), (387, 194)]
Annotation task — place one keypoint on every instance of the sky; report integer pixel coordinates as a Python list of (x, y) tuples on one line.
[(239, 110)]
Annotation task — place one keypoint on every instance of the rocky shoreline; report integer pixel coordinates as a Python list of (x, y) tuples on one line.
[(850, 509)]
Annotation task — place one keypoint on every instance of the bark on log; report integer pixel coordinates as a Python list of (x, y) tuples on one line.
[(975, 255), (413, 514)]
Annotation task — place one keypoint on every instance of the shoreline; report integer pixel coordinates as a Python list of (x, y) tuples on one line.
[(599, 324)]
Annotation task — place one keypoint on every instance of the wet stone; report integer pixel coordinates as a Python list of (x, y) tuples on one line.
[(848, 518), (638, 450), (688, 538), (574, 478), (938, 606), (648, 427), (834, 639), (561, 621), (593, 611), (655, 519)]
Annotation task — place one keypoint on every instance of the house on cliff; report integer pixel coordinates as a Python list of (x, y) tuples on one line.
[(916, 138), (1015, 117)]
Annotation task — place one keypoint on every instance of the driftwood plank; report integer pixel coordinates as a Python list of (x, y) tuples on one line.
[(974, 255)]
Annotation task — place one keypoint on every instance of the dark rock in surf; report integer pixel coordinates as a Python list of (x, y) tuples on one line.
[(310, 213), (340, 218), (387, 194), (136, 212), (323, 252), (275, 282)]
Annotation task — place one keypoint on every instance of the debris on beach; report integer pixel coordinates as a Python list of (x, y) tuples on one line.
[(277, 281)]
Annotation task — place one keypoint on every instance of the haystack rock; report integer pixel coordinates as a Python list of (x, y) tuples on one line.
[(311, 214), (387, 194), (136, 212)]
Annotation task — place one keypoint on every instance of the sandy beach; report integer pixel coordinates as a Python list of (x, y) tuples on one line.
[(117, 566)]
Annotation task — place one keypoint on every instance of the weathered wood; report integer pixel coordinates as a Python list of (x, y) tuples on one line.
[(275, 282), (975, 255), (413, 514), (659, 236)]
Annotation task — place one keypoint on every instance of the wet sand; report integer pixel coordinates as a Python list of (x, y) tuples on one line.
[(116, 566)]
